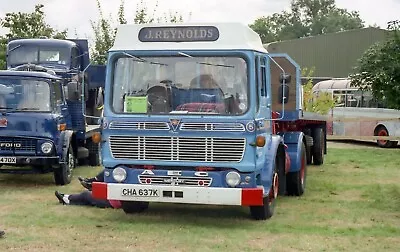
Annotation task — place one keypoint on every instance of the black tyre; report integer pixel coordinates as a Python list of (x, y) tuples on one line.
[(281, 162), (131, 207), (94, 153), (382, 131), (267, 209), (318, 147), (296, 181), (63, 174)]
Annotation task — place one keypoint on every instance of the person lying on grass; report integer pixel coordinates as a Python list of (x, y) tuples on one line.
[(87, 182), (85, 198)]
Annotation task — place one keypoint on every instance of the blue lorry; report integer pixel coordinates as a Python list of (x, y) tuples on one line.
[(203, 114), (49, 99)]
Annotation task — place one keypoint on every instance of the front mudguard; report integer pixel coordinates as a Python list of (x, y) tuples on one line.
[(65, 141), (294, 141), (266, 157)]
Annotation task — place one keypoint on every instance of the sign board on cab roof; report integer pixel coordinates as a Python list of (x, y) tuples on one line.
[(187, 36)]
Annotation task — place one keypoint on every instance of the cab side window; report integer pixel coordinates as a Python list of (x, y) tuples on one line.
[(58, 98), (75, 59)]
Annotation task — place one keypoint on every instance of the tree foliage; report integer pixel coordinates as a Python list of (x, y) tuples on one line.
[(105, 29), (378, 70), (26, 25), (306, 18), (320, 103)]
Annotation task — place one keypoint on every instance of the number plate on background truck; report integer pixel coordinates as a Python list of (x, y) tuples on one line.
[(143, 192), (8, 160)]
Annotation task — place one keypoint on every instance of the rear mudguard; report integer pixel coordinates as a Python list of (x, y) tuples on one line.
[(294, 141), (266, 160), (65, 140)]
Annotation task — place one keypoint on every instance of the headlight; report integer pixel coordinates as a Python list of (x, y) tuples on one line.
[(232, 179), (46, 147), (119, 174)]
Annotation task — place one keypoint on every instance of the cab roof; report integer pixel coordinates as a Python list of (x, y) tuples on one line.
[(187, 36), (42, 42), (32, 74)]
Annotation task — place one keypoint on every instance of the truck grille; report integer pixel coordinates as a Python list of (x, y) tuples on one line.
[(228, 127), (139, 125), (17, 144), (180, 180), (210, 149)]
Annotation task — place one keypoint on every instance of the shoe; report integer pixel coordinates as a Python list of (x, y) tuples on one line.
[(86, 182), (2, 233), (60, 197)]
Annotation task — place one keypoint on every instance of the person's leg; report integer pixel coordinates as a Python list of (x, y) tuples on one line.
[(100, 177), (87, 182), (84, 198)]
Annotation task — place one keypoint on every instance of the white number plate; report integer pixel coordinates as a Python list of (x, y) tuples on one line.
[(143, 192), (8, 160)]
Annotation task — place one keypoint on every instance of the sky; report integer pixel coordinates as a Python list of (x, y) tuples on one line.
[(75, 15)]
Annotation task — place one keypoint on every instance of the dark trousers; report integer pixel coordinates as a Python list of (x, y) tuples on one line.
[(85, 198)]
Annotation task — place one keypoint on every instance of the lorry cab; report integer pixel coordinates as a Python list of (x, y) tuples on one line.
[(189, 117), (47, 121)]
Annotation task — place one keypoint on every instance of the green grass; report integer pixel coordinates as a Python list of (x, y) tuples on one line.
[(352, 203)]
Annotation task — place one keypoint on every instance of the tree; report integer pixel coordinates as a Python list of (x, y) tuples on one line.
[(306, 18), (378, 70), (320, 103), (26, 25), (105, 31)]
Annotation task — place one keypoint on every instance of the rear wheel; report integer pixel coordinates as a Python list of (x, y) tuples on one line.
[(382, 131), (130, 207), (296, 181), (318, 147), (267, 209), (94, 153)]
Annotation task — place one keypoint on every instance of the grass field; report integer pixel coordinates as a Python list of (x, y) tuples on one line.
[(352, 203)]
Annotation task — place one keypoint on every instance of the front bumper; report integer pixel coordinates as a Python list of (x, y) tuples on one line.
[(29, 160), (179, 194)]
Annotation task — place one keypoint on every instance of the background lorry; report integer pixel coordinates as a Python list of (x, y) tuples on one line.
[(46, 122), (197, 114)]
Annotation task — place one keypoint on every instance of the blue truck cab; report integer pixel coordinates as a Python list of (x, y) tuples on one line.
[(191, 115), (47, 119)]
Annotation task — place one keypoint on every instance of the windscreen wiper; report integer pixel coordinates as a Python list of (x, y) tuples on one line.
[(143, 60), (204, 63), (26, 108), (14, 48)]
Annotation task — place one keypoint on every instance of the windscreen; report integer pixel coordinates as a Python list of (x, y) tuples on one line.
[(33, 54), (187, 84), (24, 95)]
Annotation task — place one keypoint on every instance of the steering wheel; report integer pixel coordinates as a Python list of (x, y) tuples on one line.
[(158, 99)]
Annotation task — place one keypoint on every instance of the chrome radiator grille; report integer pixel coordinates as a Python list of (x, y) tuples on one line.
[(175, 180), (210, 149), (140, 125), (228, 127)]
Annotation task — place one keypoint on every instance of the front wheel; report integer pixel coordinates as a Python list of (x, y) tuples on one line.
[(267, 209), (131, 207), (63, 174)]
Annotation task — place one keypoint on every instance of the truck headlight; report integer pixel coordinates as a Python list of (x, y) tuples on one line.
[(232, 179), (46, 147), (119, 174)]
